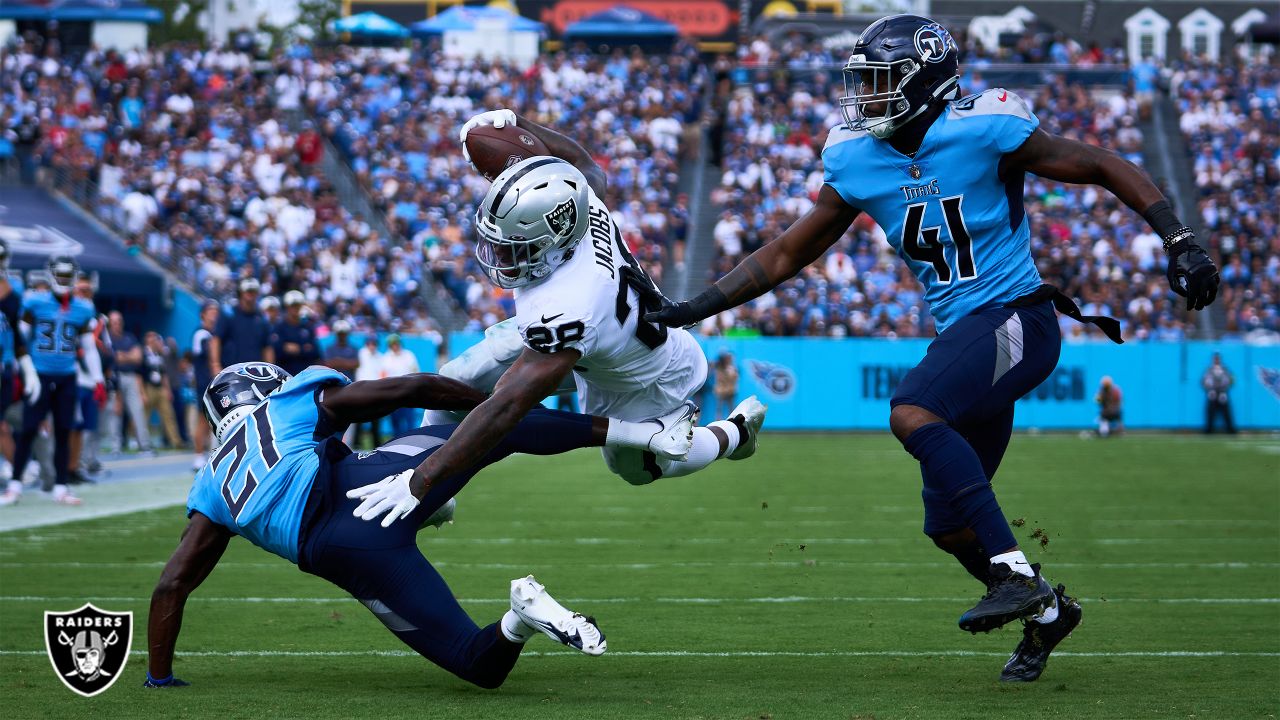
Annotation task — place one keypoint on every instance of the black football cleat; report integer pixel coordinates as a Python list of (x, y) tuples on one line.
[(1039, 639), (1010, 596)]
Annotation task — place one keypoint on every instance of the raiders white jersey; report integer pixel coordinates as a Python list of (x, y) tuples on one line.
[(591, 304)]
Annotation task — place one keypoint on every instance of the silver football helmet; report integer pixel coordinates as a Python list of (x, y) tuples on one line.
[(530, 221)]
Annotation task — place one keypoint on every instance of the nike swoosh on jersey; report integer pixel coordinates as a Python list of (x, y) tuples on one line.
[(546, 319)]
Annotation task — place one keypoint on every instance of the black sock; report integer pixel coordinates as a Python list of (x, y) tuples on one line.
[(971, 555)]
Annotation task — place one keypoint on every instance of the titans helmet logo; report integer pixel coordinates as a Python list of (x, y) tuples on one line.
[(932, 42)]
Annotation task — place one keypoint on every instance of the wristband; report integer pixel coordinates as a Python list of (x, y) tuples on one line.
[(1161, 218), (711, 301)]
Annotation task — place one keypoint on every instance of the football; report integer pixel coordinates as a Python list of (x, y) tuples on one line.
[(493, 150)]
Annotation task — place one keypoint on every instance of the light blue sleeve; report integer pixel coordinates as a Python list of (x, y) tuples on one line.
[(1012, 123)]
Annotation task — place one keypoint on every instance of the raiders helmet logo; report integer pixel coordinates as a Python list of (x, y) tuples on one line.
[(88, 647), (932, 42), (562, 218)]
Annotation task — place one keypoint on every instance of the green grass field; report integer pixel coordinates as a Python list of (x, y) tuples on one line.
[(794, 585)]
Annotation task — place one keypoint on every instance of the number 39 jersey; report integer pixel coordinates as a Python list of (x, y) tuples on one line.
[(593, 303), (959, 227), (258, 481), (55, 330)]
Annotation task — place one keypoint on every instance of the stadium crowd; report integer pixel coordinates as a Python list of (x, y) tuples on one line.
[(1230, 116)]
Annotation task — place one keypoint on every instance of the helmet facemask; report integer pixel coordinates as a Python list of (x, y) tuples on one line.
[(868, 84)]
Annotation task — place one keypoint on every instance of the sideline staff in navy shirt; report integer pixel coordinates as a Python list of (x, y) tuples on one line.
[(244, 335)]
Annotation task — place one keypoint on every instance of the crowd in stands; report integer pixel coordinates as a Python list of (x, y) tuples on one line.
[(213, 160), (1230, 116), (396, 116), (1083, 239)]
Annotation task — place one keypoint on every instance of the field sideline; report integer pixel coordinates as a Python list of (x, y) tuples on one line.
[(794, 585)]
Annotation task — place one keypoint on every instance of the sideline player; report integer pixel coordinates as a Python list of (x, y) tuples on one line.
[(283, 479), (943, 176), (580, 294), (60, 336)]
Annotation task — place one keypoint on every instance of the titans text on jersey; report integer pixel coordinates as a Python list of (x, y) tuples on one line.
[(947, 213)]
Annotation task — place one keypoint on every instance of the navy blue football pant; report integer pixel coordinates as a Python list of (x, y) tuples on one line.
[(383, 568), (59, 394), (971, 376)]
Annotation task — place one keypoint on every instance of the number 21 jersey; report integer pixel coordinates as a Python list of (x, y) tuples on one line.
[(257, 483), (960, 228)]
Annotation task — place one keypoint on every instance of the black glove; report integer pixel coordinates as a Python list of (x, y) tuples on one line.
[(687, 312), (169, 682), (1192, 274), (679, 314)]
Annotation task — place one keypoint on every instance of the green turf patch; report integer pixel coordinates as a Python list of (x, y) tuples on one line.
[(794, 585)]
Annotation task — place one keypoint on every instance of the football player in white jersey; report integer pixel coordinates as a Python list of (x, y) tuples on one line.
[(545, 233)]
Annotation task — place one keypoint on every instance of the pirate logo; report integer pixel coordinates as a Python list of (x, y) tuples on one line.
[(562, 218), (88, 647)]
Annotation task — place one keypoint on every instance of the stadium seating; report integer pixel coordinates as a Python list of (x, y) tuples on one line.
[(1230, 117)]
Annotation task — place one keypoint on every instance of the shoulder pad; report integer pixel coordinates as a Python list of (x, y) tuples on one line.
[(996, 101), (841, 133)]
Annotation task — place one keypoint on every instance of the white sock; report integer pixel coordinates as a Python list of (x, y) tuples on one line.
[(1015, 560), (630, 434), (515, 629), (15, 486), (1049, 615), (731, 430), (706, 450), (60, 490)]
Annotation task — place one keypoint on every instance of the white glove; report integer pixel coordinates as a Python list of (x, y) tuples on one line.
[(497, 118), (390, 495), (30, 380)]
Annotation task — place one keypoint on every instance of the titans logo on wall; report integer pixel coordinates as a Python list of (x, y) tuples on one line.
[(777, 380), (1270, 379), (88, 647)]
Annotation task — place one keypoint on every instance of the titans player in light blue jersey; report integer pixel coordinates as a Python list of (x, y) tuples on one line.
[(282, 479), (58, 336), (943, 175)]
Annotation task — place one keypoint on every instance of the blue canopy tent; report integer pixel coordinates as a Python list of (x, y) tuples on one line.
[(80, 11), (370, 25), (623, 25), (464, 19)]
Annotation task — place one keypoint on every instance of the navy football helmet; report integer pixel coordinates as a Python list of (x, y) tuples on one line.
[(237, 390), (900, 66)]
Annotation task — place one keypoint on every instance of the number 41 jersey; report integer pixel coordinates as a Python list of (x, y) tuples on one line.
[(959, 227), (593, 303), (258, 481)]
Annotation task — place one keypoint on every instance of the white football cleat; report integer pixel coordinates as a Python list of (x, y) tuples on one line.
[(540, 611), (752, 413), (62, 496), (11, 496), (675, 438), (442, 515)]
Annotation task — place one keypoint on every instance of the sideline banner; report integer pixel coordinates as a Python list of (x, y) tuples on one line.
[(829, 384)]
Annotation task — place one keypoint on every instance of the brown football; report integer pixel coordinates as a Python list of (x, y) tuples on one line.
[(493, 150)]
